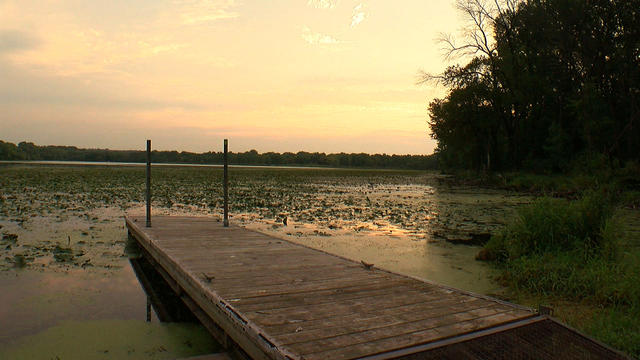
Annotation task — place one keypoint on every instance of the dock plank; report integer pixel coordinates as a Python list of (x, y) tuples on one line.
[(406, 340), (385, 315), (443, 322), (378, 322), (284, 300)]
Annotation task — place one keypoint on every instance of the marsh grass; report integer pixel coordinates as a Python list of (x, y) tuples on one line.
[(584, 228), (618, 327), (576, 250)]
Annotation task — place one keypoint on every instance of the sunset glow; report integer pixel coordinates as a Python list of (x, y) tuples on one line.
[(316, 75)]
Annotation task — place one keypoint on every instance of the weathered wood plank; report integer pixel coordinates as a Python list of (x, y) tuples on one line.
[(305, 287), (384, 322), (319, 297), (298, 301), (385, 315), (247, 335), (241, 273), (346, 307), (280, 280), (411, 339), (370, 330)]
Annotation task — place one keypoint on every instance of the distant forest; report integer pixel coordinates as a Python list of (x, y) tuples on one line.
[(549, 85), (29, 151)]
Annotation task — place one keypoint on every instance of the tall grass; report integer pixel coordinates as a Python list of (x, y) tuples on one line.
[(584, 228), (572, 250), (567, 248), (618, 327)]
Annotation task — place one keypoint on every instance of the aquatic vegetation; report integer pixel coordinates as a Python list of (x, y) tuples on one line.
[(79, 207), (62, 254), (19, 261), (10, 238), (65, 223), (118, 339)]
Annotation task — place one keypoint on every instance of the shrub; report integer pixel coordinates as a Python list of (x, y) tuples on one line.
[(556, 225), (557, 247)]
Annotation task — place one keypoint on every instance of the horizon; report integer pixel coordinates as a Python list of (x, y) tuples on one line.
[(214, 151), (323, 75)]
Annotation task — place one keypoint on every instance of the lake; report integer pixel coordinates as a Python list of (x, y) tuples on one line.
[(65, 273)]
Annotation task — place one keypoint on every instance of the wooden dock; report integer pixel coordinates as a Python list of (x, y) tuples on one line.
[(279, 300)]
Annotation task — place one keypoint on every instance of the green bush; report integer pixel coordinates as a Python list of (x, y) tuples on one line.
[(562, 248), (556, 225), (578, 251)]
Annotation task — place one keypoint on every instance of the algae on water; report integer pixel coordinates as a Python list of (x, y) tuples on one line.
[(113, 339)]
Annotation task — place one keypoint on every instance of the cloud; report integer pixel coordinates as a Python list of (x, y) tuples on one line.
[(20, 87), (323, 4), (316, 38), (15, 40), (194, 12), (358, 16), (160, 48)]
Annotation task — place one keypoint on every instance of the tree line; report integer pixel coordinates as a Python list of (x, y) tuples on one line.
[(548, 84), (30, 151)]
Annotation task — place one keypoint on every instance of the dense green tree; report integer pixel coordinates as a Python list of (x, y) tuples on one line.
[(9, 151), (547, 81)]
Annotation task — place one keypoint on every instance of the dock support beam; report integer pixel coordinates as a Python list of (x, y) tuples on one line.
[(148, 183), (226, 184)]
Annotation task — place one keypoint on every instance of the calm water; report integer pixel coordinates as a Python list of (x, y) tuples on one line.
[(68, 289), (80, 314), (115, 163), (33, 301)]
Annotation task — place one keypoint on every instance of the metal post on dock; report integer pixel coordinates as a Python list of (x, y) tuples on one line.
[(226, 184), (148, 183)]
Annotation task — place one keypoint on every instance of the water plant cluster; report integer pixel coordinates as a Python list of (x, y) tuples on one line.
[(71, 216)]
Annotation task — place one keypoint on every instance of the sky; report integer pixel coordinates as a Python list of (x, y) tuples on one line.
[(271, 75)]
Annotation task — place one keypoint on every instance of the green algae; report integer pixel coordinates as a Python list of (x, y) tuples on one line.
[(113, 339)]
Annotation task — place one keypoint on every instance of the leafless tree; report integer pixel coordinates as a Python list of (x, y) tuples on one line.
[(477, 35)]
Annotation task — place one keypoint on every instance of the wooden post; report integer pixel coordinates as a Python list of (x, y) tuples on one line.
[(226, 184), (148, 183)]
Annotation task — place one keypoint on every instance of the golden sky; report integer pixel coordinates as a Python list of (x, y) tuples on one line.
[(270, 75)]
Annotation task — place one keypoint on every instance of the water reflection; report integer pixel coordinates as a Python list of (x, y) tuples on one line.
[(167, 306), (89, 313), (32, 301)]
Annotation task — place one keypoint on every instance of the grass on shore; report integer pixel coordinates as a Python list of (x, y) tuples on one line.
[(562, 252)]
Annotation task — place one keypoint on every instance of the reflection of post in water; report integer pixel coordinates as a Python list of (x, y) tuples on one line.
[(148, 308), (166, 304)]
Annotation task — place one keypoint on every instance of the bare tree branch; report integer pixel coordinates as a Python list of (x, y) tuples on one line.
[(428, 78), (482, 16), (477, 40)]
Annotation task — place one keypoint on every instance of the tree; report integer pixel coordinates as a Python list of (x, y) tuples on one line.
[(546, 81)]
